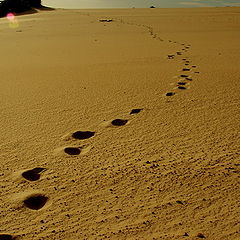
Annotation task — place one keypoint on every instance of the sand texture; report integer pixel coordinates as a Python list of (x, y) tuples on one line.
[(120, 124)]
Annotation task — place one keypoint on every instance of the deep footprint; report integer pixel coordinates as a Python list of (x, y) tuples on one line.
[(135, 111), (183, 76), (33, 174), (182, 88), (186, 69), (7, 237), (181, 83), (72, 151), (81, 135), (170, 94), (35, 202), (119, 122)]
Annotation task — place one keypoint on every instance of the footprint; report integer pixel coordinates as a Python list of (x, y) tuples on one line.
[(33, 174), (200, 235), (35, 201), (179, 53), (7, 237), (181, 83), (72, 150), (135, 111), (183, 76), (171, 56), (169, 94), (182, 88), (105, 20), (188, 78), (81, 135), (186, 69), (119, 122), (194, 66)]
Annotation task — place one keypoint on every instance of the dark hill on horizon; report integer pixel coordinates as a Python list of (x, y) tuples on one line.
[(20, 6)]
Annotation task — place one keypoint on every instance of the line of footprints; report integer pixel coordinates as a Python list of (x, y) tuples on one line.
[(37, 201), (184, 79)]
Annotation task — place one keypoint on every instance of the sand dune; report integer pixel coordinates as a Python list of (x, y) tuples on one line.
[(120, 124)]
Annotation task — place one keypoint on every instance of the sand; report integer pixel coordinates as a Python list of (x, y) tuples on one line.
[(123, 129)]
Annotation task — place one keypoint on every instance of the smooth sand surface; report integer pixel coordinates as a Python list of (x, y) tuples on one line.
[(169, 170)]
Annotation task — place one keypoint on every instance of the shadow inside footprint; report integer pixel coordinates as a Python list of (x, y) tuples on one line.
[(105, 20), (83, 135), (181, 83), (170, 94), (72, 151), (186, 69), (135, 111), (182, 88), (170, 56), (7, 237), (35, 202), (183, 75), (119, 122), (33, 174)]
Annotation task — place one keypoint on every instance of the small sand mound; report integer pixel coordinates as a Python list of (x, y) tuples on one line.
[(35, 202), (81, 135)]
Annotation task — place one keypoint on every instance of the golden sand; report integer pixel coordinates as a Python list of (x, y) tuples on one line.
[(122, 129)]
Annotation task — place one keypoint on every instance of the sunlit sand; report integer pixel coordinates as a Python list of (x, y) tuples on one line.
[(120, 124)]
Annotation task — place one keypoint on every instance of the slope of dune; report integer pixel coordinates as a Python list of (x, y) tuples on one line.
[(120, 124)]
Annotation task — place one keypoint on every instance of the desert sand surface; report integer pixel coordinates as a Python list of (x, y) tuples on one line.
[(122, 129)]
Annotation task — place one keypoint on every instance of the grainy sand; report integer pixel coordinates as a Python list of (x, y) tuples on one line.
[(169, 170)]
